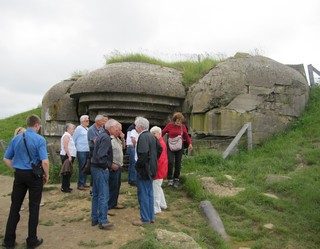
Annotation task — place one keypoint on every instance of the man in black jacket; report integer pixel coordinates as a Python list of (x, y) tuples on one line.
[(101, 163), (148, 151)]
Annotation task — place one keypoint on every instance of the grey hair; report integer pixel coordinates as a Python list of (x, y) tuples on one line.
[(111, 123), (84, 117), (142, 122), (68, 125), (98, 117), (156, 129)]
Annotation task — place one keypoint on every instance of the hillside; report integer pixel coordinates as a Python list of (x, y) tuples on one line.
[(288, 217)]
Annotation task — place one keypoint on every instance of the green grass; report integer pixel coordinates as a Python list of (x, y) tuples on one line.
[(295, 215), (7, 128), (191, 70)]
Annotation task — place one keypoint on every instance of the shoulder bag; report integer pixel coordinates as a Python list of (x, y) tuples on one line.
[(175, 143)]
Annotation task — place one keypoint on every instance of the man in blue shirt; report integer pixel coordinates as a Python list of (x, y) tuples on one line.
[(80, 138), (17, 159), (95, 129)]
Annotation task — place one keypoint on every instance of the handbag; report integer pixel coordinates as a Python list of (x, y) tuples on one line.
[(37, 169), (175, 143), (87, 168)]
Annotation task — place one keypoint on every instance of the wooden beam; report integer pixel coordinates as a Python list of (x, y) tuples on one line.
[(316, 70), (310, 72), (3, 146), (236, 140)]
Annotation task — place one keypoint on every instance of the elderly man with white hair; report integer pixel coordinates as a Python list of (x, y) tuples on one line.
[(148, 151)]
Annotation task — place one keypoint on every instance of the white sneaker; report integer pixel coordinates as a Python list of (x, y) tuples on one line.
[(176, 183), (170, 182)]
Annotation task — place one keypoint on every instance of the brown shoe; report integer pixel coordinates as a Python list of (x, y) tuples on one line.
[(139, 223), (119, 206), (86, 186), (81, 188), (111, 214)]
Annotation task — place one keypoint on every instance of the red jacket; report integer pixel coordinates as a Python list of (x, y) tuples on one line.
[(175, 130), (162, 162)]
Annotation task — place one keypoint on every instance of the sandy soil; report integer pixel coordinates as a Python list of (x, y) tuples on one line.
[(65, 219)]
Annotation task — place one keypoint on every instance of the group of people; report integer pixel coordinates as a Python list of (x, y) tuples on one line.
[(150, 161)]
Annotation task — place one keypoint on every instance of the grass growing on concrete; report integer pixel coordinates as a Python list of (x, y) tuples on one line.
[(191, 70)]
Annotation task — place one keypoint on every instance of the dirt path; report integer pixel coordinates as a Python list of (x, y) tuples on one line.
[(65, 219)]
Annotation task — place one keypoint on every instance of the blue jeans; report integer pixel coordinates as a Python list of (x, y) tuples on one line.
[(100, 195), (114, 187), (145, 198), (82, 157), (132, 173)]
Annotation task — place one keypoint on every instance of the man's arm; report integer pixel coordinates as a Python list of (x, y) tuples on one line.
[(45, 166), (8, 162)]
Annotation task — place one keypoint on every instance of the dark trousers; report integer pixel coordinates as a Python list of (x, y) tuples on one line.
[(24, 180), (174, 159), (114, 187), (132, 173), (65, 181)]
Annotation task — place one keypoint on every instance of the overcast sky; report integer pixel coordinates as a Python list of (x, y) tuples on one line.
[(43, 42)]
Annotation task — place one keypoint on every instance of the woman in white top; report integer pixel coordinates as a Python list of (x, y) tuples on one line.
[(68, 152)]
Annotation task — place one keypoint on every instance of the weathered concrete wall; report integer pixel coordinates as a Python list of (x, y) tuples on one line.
[(127, 90), (242, 89), (245, 89), (121, 90), (57, 110)]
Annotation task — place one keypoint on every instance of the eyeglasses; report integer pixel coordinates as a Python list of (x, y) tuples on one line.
[(86, 121)]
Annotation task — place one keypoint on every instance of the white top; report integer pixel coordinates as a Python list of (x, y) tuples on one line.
[(131, 134), (135, 148), (71, 145)]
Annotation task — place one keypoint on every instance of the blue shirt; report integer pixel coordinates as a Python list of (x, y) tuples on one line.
[(93, 133), (18, 153), (80, 138)]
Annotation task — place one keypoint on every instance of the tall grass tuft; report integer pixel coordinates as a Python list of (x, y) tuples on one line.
[(192, 70)]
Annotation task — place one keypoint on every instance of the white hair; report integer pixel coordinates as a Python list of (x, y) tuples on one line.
[(99, 117), (69, 125), (142, 122), (111, 123), (84, 117), (156, 129)]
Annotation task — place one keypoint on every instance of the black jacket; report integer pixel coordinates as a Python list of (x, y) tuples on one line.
[(102, 153), (148, 150)]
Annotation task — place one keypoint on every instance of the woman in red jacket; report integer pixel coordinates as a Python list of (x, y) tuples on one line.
[(159, 199), (175, 129)]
